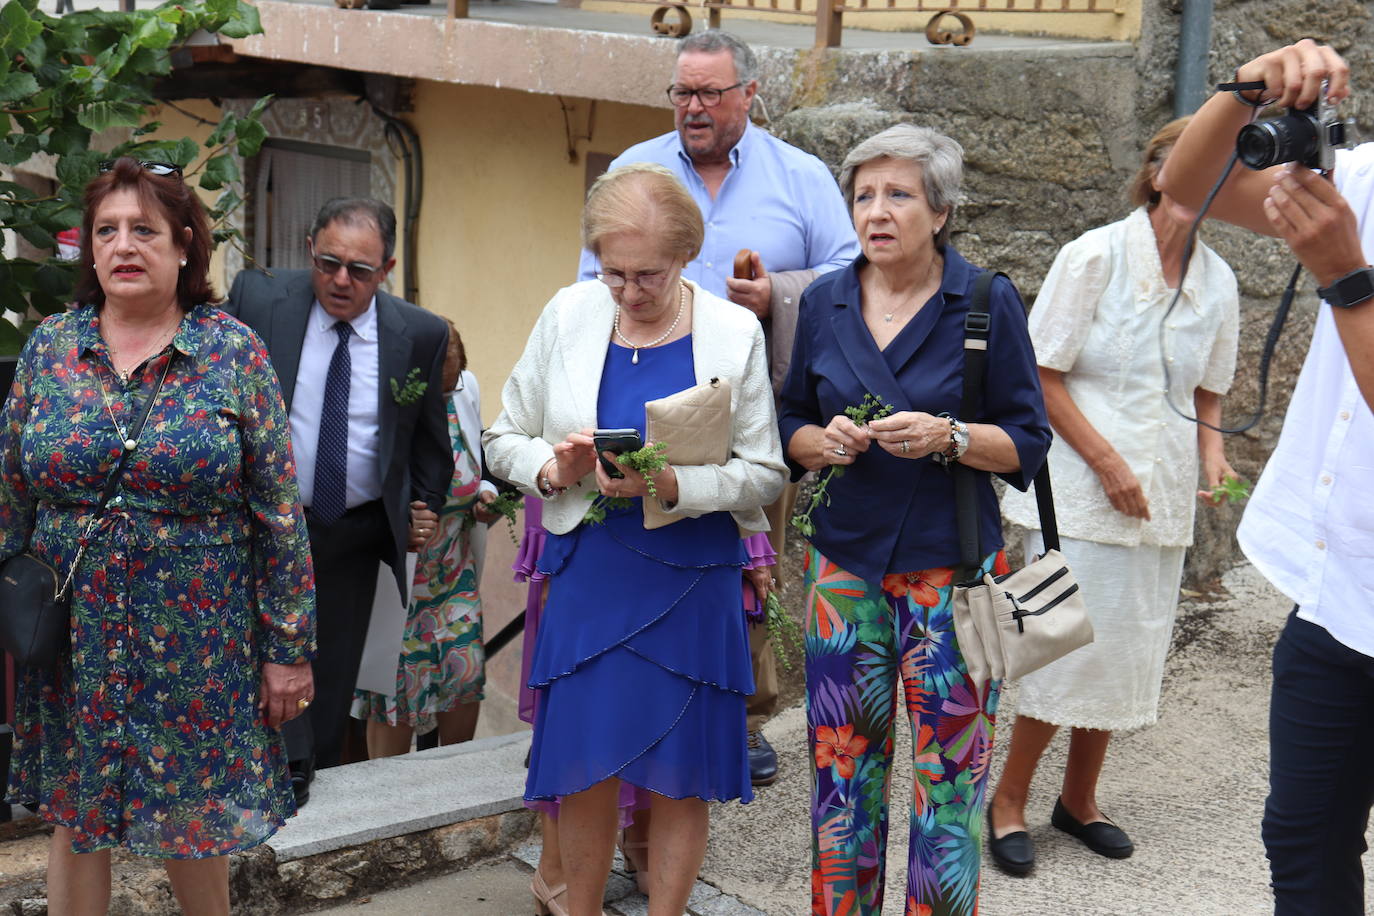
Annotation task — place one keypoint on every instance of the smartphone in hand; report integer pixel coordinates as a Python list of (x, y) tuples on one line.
[(617, 442)]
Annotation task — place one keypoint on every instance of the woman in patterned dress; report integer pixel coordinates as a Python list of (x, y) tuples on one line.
[(193, 606), (879, 569), (441, 673)]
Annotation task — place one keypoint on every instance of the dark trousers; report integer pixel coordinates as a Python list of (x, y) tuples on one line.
[(346, 555), (1321, 772)]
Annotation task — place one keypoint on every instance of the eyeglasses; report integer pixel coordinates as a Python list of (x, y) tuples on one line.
[(681, 96), (160, 169), (329, 266), (650, 281)]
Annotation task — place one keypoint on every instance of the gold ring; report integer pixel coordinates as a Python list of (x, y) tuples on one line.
[(302, 703)]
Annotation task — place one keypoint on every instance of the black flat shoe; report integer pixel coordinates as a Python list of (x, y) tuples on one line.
[(1102, 837), (1013, 853)]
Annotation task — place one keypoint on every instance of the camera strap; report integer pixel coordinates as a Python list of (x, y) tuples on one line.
[(1280, 314)]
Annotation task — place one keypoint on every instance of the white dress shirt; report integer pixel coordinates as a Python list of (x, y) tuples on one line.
[(364, 473), (1097, 320), (1310, 524)]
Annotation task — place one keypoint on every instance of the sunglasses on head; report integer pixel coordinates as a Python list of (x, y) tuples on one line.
[(161, 169)]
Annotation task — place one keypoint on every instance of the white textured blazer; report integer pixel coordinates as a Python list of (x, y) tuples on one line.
[(553, 392)]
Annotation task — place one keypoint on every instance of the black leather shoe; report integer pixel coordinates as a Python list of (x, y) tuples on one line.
[(763, 760), (1102, 837), (302, 774), (1013, 853)]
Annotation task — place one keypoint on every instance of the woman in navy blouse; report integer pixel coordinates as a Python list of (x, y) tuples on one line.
[(879, 569)]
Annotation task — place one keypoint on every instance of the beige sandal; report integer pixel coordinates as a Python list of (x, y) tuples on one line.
[(641, 875), (546, 899)]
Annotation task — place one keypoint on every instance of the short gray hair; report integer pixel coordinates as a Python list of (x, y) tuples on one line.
[(940, 158), (713, 41)]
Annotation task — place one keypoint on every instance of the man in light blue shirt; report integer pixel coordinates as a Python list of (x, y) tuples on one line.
[(783, 205), (754, 191)]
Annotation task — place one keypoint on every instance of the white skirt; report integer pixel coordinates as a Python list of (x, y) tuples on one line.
[(1113, 683)]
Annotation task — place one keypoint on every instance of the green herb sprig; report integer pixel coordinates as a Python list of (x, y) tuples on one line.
[(411, 391), (647, 462), (1232, 489), (869, 409), (784, 632), (508, 506)]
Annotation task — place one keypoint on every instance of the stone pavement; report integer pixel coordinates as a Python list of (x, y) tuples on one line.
[(1190, 791)]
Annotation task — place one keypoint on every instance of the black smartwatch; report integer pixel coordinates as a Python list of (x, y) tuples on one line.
[(1350, 290)]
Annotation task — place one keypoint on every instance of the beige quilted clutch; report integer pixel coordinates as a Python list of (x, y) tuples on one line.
[(696, 424)]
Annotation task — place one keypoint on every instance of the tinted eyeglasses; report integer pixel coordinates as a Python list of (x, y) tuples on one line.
[(681, 96), (161, 169), (650, 281), (329, 266)]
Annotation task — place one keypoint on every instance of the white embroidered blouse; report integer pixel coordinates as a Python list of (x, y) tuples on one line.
[(1097, 320)]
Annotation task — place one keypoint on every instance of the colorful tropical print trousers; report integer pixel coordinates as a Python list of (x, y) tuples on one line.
[(861, 641)]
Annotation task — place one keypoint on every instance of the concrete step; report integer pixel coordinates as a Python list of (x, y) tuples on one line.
[(368, 827)]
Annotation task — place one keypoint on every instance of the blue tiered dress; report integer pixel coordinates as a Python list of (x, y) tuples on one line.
[(642, 659)]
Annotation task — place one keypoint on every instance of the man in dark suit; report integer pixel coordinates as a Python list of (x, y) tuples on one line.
[(361, 372)]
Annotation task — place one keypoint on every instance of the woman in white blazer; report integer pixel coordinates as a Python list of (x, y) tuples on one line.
[(642, 660)]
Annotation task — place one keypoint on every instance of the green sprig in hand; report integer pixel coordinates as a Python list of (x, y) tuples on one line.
[(507, 505), (869, 409), (784, 632), (647, 462), (1232, 489)]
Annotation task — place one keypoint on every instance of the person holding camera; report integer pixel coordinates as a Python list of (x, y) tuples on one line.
[(1309, 527), (1127, 467), (642, 660)]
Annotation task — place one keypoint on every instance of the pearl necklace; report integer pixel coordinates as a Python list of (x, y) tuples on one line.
[(681, 304), (130, 443)]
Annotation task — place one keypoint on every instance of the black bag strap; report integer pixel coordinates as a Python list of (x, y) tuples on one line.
[(977, 325), (112, 483)]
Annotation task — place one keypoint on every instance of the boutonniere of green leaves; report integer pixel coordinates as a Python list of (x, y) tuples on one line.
[(411, 391), (646, 461), (871, 408)]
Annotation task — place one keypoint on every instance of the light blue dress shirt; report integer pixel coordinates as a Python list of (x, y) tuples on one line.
[(777, 200)]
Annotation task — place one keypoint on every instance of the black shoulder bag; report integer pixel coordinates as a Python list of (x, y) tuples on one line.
[(35, 607)]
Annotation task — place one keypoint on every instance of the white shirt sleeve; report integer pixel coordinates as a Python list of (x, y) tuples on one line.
[(1063, 312)]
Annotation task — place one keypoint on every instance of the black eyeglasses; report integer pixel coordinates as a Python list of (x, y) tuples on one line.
[(161, 169), (329, 266), (681, 96)]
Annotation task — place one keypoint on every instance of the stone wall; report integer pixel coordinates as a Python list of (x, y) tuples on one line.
[(1051, 139)]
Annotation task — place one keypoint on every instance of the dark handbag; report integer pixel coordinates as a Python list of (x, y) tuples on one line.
[(1008, 626), (35, 601)]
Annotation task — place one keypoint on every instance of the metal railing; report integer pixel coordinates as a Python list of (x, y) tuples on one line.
[(675, 19)]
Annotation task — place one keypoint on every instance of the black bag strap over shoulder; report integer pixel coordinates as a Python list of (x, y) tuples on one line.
[(112, 483), (977, 326)]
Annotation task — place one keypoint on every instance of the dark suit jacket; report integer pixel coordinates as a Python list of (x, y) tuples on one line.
[(414, 450)]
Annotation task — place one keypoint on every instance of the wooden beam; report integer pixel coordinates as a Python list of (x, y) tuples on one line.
[(248, 78), (829, 23)]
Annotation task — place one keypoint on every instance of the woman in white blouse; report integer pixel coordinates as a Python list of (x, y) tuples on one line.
[(1126, 468)]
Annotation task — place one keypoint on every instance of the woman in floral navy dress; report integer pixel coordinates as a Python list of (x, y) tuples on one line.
[(879, 569), (193, 607)]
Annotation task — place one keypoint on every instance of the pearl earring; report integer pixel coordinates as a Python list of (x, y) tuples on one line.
[(183, 262)]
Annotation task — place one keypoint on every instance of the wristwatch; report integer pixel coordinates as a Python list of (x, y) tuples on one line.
[(1351, 290), (958, 434)]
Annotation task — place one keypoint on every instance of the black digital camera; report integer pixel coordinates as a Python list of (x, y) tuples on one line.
[(1310, 136)]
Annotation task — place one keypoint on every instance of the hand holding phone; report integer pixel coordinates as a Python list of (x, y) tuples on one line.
[(617, 442)]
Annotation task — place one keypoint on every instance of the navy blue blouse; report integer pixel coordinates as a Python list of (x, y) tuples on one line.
[(890, 514)]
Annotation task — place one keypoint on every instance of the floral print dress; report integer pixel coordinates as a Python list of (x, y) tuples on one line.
[(442, 658), (147, 734)]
